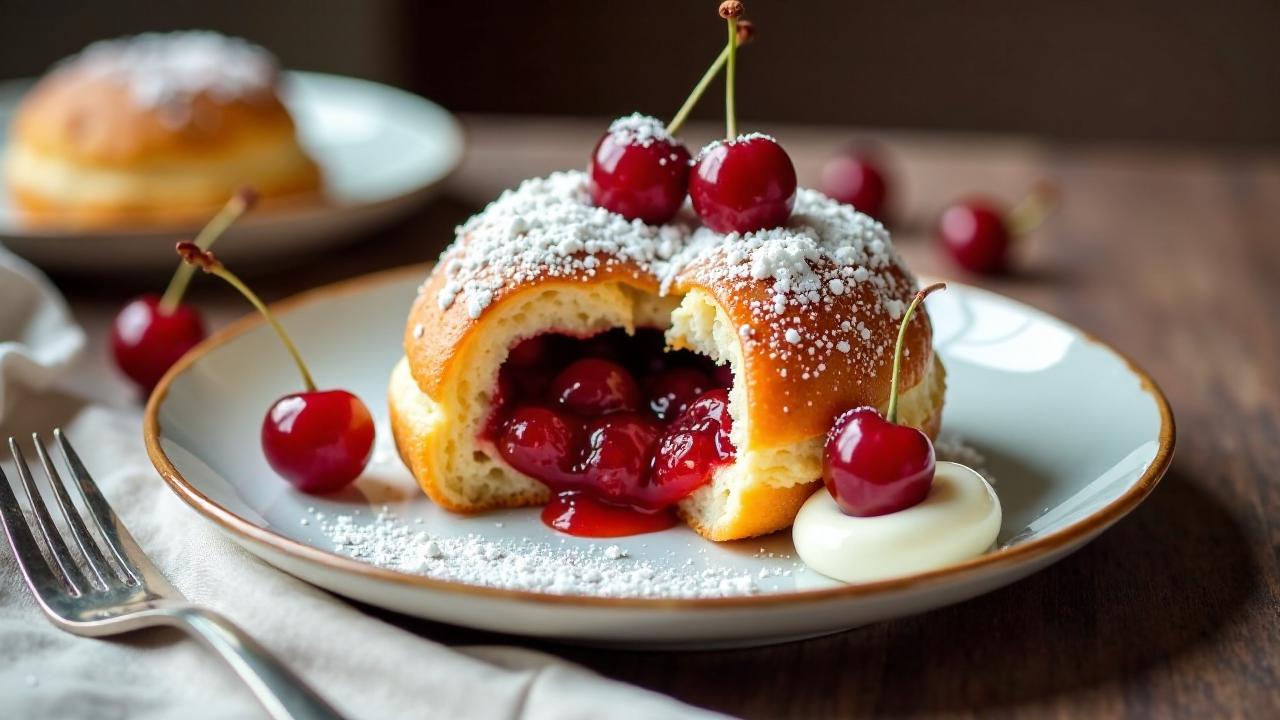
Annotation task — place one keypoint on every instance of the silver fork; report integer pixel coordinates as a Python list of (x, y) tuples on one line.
[(115, 588)]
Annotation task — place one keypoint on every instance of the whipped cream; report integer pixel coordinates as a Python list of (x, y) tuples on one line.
[(958, 519)]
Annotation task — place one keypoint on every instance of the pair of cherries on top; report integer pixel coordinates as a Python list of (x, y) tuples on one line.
[(744, 183), (641, 172)]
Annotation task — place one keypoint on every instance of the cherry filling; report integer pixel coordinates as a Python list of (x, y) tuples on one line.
[(618, 428)]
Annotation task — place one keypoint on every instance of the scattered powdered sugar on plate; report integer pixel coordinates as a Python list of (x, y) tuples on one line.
[(952, 448), (526, 564)]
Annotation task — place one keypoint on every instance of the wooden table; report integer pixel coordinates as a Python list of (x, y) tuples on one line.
[(1173, 256)]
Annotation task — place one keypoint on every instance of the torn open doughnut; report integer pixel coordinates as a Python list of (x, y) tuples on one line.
[(629, 374)]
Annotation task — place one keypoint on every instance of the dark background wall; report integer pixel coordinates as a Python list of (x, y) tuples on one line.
[(1171, 71)]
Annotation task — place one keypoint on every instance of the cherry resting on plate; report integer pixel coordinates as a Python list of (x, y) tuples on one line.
[(615, 464), (852, 177), (872, 465), (978, 234), (151, 332), (318, 440), (639, 169), (743, 183)]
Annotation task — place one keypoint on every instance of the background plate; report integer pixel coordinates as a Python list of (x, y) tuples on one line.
[(1074, 434), (382, 151)]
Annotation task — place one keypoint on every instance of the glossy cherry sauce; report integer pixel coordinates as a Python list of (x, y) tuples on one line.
[(616, 427)]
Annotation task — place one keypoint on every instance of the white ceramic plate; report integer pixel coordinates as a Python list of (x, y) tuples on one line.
[(1075, 435), (382, 151)]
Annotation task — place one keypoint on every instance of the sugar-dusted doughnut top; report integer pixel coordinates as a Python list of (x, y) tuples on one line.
[(816, 303), (148, 96)]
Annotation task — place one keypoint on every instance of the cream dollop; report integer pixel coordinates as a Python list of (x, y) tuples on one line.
[(958, 519)]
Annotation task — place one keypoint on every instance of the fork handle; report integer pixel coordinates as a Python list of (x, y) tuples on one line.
[(282, 693)]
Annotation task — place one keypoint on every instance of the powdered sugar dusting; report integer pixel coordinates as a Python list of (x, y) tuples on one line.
[(530, 564), (642, 130), (741, 138), (167, 70), (547, 227)]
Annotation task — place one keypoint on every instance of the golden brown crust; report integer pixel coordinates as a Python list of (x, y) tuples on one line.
[(40, 211), (807, 316), (93, 120), (811, 403), (764, 509), (84, 152), (812, 400), (447, 331)]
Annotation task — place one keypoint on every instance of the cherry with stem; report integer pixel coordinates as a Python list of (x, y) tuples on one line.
[(872, 465), (151, 332), (639, 169), (318, 440), (744, 183), (980, 237)]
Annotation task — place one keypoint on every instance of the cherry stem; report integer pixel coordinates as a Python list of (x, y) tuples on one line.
[(682, 114), (1034, 209), (238, 205), (730, 112), (745, 30), (892, 414), (192, 255)]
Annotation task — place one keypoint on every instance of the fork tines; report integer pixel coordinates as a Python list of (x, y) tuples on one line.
[(49, 562)]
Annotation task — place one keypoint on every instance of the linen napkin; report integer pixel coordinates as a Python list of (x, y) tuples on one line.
[(38, 339), (364, 666)]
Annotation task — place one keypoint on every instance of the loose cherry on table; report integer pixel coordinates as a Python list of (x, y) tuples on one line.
[(855, 178), (743, 183), (872, 465), (151, 332), (146, 339), (318, 440), (979, 235)]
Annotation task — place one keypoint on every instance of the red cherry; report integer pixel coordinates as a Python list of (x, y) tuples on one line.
[(976, 235), (671, 391), (618, 452), (639, 171), (318, 440), (594, 386), (722, 376), (692, 447), (147, 342), (875, 467), (854, 178), (540, 442), (529, 352), (871, 464), (743, 185)]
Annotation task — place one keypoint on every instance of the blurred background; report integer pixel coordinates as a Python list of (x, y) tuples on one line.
[(1152, 71)]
